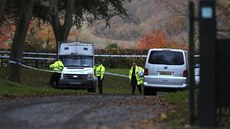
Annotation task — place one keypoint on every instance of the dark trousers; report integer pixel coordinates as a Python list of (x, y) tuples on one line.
[(100, 82), (134, 84), (54, 80), (134, 88)]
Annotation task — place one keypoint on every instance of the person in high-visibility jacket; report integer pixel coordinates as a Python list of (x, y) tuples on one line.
[(136, 77), (99, 71), (57, 68)]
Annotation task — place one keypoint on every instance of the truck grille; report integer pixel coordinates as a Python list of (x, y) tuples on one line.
[(75, 76)]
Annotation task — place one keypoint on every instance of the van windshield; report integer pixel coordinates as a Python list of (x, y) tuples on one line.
[(166, 58), (80, 61)]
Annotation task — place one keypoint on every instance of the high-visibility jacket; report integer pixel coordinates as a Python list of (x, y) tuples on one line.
[(99, 70), (138, 69), (57, 66)]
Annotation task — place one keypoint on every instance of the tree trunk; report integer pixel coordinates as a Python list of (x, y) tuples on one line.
[(68, 18), (2, 7), (61, 32), (55, 19), (19, 39)]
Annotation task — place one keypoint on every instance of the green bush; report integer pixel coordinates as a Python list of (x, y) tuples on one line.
[(120, 62)]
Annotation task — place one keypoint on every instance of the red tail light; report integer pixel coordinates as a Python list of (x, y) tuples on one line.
[(185, 73), (146, 71)]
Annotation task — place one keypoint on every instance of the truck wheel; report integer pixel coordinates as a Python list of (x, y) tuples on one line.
[(92, 89), (56, 85)]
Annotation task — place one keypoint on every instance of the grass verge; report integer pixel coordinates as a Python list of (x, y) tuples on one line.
[(11, 89), (37, 83)]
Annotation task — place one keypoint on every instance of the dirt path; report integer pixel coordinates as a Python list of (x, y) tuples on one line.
[(84, 112)]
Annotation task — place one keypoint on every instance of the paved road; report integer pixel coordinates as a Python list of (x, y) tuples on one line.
[(83, 112)]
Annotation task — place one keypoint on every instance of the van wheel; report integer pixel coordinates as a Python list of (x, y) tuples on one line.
[(150, 91), (154, 92), (146, 91)]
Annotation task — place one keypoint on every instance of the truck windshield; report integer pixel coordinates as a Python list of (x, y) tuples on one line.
[(86, 61)]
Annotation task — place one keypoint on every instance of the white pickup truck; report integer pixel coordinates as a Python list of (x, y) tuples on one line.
[(78, 60)]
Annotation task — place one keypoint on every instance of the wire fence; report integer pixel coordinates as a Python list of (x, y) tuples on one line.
[(43, 60)]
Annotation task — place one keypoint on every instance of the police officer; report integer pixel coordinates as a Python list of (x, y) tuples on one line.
[(136, 74), (99, 71), (57, 67)]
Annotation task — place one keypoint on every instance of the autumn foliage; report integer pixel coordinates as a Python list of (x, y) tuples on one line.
[(158, 39), (6, 34), (3, 39)]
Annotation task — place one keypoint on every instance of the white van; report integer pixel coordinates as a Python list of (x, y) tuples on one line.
[(78, 72), (165, 70)]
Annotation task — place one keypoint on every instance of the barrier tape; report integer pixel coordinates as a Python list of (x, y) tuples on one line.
[(19, 63), (114, 74), (110, 56), (51, 71)]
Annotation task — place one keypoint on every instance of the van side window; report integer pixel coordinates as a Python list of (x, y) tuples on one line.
[(166, 58)]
